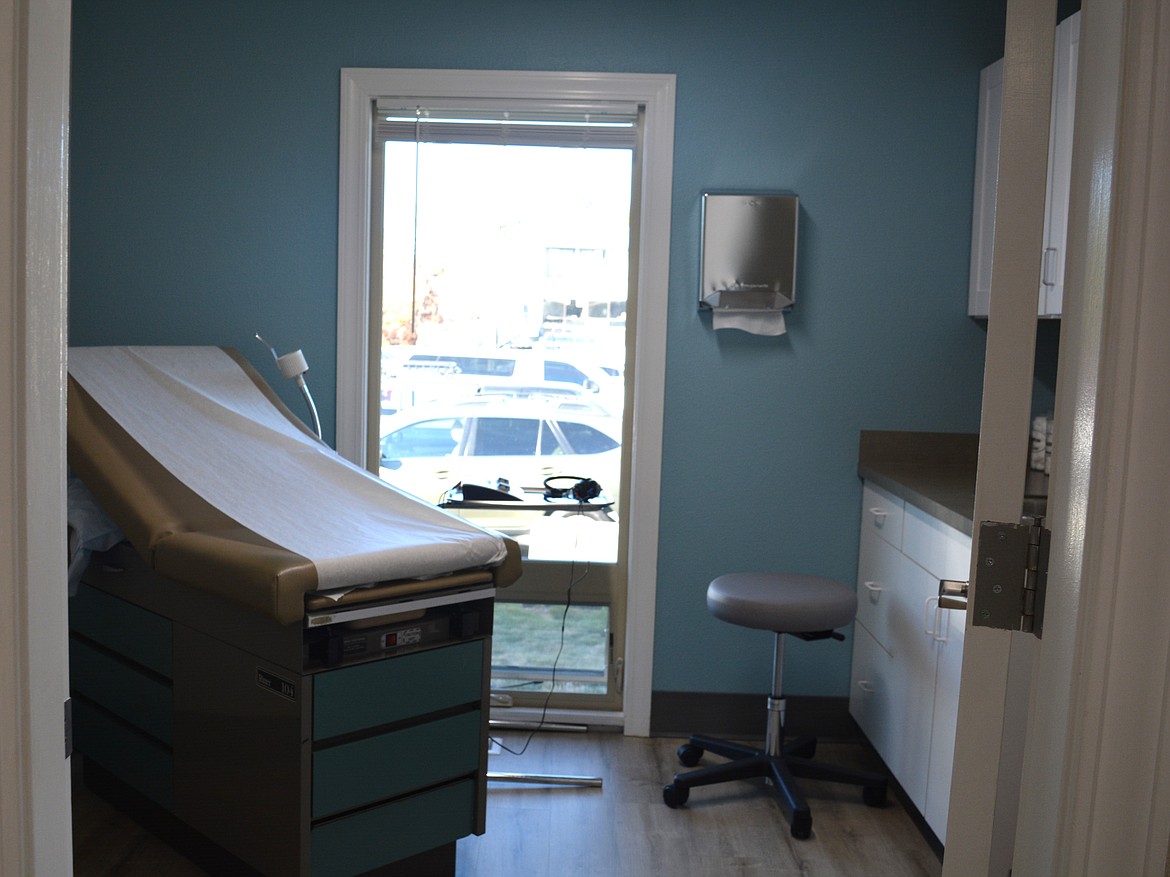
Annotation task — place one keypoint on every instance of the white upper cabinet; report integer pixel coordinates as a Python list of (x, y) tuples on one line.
[(1064, 76)]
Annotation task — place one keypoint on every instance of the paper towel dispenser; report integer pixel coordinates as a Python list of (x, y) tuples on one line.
[(749, 252)]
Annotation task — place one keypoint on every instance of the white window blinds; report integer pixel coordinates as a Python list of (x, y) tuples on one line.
[(605, 126)]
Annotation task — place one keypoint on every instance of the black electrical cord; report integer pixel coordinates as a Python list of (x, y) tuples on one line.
[(573, 580)]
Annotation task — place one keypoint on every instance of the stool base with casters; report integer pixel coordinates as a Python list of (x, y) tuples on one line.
[(733, 598)]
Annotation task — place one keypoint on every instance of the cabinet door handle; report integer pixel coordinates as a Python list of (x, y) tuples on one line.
[(865, 685), (873, 587), (932, 621), (1048, 270)]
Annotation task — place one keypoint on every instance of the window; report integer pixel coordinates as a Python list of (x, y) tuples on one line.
[(563, 371), (504, 437), (584, 439), (431, 438), (468, 365)]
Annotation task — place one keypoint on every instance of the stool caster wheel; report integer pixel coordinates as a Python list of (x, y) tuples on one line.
[(802, 825), (689, 754), (874, 796), (674, 796)]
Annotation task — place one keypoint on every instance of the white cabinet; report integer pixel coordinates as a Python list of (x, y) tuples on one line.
[(907, 652), (1064, 76)]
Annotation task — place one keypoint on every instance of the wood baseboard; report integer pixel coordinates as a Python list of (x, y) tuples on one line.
[(681, 713)]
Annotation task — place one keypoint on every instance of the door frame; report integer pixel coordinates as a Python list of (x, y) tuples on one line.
[(360, 87), (1096, 781), (35, 805), (1094, 792)]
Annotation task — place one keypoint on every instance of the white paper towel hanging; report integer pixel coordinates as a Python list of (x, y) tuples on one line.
[(756, 322)]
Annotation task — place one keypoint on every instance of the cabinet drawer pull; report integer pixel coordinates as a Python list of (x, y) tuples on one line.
[(878, 513), (873, 587), (865, 685)]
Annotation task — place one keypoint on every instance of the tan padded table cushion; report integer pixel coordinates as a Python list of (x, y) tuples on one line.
[(180, 535)]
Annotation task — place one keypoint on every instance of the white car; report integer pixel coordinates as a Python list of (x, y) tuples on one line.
[(428, 450), (430, 376)]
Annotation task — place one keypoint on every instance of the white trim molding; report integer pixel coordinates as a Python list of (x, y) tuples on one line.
[(35, 822), (1113, 796), (360, 89)]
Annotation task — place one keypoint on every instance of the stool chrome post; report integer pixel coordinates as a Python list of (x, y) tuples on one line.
[(774, 733)]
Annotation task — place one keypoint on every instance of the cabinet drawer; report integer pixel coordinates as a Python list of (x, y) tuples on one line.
[(381, 835), (388, 765), (122, 627), (395, 689), (881, 513), (133, 695), (869, 691), (137, 760), (890, 699), (877, 578), (938, 548)]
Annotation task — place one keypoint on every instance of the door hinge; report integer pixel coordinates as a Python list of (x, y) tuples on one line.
[(1011, 576)]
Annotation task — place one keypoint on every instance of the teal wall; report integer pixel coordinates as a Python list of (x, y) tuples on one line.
[(204, 208)]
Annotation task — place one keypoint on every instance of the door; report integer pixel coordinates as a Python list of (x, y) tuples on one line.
[(653, 95), (996, 663), (503, 283), (1081, 714)]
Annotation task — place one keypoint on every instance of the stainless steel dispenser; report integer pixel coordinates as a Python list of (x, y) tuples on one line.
[(749, 253)]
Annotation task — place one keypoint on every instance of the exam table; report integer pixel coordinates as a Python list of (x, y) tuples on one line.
[(286, 656)]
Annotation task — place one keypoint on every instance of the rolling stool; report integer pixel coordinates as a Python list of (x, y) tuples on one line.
[(811, 608)]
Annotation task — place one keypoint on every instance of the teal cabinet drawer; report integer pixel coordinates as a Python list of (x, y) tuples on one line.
[(394, 689), (122, 627), (366, 771), (403, 828), (131, 694), (134, 758)]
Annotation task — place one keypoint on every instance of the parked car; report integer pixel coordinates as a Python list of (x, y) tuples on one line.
[(428, 450), (435, 375)]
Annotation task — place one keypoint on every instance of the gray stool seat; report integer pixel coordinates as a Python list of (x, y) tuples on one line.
[(809, 608), (781, 602)]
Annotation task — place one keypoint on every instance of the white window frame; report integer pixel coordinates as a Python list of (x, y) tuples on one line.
[(360, 90)]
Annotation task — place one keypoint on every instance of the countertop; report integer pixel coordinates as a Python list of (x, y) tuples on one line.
[(934, 471)]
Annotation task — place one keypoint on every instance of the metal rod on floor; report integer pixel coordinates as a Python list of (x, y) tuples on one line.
[(540, 778), (535, 726), (545, 779)]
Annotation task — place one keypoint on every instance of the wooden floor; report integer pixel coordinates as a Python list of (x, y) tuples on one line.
[(621, 830)]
